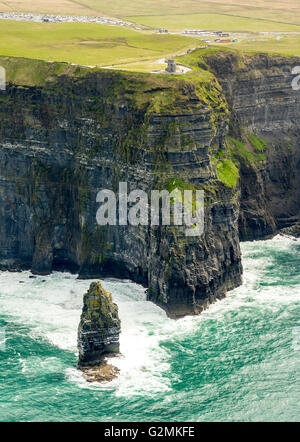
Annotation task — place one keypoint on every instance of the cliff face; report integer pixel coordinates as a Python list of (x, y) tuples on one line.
[(262, 102), (64, 141), (73, 135)]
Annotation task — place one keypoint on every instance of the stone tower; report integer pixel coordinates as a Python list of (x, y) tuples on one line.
[(171, 68)]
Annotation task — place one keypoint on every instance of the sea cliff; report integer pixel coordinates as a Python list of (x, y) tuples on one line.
[(67, 132)]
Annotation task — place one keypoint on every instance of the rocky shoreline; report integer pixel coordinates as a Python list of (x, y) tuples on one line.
[(293, 231)]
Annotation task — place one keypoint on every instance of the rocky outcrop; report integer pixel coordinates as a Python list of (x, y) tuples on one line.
[(99, 327), (100, 373), (292, 230)]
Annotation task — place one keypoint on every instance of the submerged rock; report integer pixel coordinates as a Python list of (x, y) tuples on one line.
[(99, 328), (100, 373)]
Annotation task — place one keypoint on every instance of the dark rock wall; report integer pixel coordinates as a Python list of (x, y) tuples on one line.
[(262, 101), (61, 144)]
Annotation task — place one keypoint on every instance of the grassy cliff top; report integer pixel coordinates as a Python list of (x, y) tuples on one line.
[(31, 72), (241, 59), (150, 93), (153, 93)]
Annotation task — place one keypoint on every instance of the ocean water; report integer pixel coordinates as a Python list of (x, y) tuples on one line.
[(238, 361)]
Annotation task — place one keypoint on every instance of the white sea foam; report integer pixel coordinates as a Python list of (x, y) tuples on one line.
[(51, 306)]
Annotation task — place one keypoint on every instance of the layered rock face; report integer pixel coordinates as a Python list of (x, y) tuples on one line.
[(99, 327), (73, 135), (64, 141), (262, 101)]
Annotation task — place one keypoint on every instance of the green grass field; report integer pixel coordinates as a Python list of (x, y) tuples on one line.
[(213, 21), (244, 15), (85, 43), (288, 45), (101, 45)]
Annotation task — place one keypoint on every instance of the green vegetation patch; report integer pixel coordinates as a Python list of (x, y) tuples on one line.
[(228, 161), (207, 87), (176, 183), (227, 172), (30, 72), (285, 44), (196, 59), (258, 143), (239, 152)]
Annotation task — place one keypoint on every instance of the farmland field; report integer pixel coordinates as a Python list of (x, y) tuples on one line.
[(122, 47), (210, 21), (287, 45), (86, 43), (174, 14)]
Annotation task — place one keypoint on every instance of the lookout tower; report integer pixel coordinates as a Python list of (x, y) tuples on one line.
[(171, 68)]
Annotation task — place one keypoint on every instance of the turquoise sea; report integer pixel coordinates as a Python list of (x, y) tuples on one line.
[(238, 361)]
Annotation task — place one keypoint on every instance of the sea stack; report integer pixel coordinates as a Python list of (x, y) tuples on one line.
[(99, 327)]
